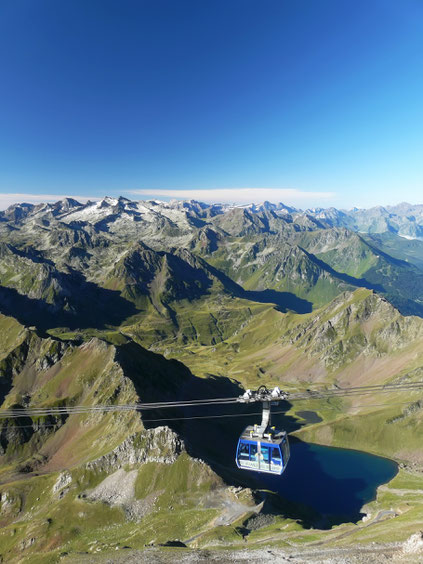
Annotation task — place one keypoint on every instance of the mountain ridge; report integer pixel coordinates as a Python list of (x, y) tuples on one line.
[(116, 302), (404, 219)]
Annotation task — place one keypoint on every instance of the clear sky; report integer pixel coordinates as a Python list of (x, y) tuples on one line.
[(313, 102)]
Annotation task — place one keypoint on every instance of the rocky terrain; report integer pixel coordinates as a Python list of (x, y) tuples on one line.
[(68, 258), (116, 302)]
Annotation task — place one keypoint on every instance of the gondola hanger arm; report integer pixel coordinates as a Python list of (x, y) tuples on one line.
[(263, 395)]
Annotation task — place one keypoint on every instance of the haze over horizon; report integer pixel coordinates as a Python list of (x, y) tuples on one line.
[(314, 104), (8, 200)]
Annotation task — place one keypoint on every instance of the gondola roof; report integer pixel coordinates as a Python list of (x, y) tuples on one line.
[(250, 434)]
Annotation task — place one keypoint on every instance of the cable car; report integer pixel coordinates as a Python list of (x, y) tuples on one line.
[(262, 448), (269, 453)]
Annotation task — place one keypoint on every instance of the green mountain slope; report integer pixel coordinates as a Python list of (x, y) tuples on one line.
[(410, 250), (347, 253), (51, 465), (275, 264), (118, 302)]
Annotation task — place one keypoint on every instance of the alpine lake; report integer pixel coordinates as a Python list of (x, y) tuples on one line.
[(334, 483)]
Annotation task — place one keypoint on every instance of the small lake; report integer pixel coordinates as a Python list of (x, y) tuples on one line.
[(335, 482), (310, 417)]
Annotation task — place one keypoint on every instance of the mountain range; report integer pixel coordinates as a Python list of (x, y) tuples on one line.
[(67, 257), (119, 301)]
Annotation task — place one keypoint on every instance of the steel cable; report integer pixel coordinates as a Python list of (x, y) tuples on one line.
[(298, 396)]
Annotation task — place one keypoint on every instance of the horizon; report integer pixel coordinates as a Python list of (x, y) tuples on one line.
[(83, 200)]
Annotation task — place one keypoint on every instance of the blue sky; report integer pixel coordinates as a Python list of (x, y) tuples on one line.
[(308, 102)]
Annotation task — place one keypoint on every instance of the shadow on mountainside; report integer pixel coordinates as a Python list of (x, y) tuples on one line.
[(357, 282), (402, 291), (284, 301), (90, 307), (214, 439)]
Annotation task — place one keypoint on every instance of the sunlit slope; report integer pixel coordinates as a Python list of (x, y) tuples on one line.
[(272, 263), (51, 465), (348, 253), (317, 265), (357, 338), (98, 265), (12, 333), (53, 373), (410, 250)]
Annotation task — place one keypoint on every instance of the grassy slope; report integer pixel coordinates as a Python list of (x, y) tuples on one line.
[(350, 338), (350, 254), (12, 334), (276, 265), (72, 524), (257, 348), (85, 375), (398, 247)]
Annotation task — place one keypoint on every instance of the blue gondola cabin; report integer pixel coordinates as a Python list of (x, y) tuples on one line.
[(268, 453)]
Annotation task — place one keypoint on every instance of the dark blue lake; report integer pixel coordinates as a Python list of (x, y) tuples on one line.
[(335, 482), (321, 485)]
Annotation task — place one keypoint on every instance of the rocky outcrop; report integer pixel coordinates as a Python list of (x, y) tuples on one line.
[(160, 445), (355, 323), (62, 481), (118, 490), (413, 545)]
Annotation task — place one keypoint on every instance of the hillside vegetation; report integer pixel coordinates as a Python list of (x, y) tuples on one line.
[(119, 302)]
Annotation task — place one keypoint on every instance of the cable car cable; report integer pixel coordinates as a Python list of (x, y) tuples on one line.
[(298, 396), (278, 412)]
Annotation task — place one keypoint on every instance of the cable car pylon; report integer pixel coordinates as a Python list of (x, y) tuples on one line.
[(262, 448)]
